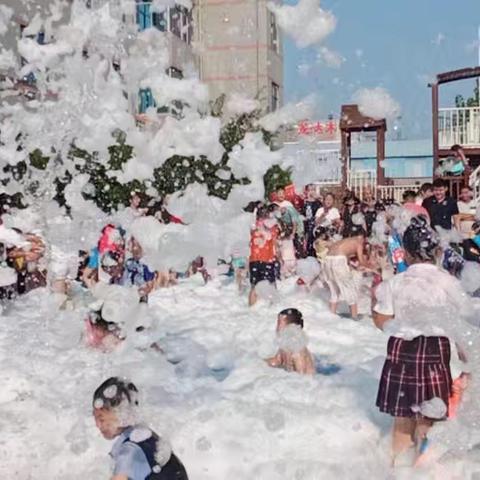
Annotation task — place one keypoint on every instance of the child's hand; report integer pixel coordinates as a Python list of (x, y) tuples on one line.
[(461, 383)]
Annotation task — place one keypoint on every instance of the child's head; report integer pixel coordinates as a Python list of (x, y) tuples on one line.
[(476, 228), (409, 196), (109, 399), (263, 213), (113, 264), (274, 210), (100, 329), (136, 249), (323, 233), (329, 200), (280, 194), (289, 316), (421, 243)]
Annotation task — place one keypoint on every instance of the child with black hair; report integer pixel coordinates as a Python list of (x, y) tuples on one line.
[(100, 333), (263, 251), (293, 354), (416, 307), (138, 453)]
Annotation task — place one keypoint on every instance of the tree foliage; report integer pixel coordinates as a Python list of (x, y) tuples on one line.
[(276, 177), (473, 101), (174, 175)]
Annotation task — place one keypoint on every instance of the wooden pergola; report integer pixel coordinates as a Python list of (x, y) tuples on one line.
[(440, 79), (353, 121)]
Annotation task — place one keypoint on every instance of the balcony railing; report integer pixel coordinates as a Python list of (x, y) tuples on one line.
[(394, 192), (361, 181), (459, 126)]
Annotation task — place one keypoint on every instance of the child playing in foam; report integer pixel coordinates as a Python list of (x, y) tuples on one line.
[(138, 453), (293, 354), (416, 308)]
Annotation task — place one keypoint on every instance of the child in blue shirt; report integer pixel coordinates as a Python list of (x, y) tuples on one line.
[(138, 453)]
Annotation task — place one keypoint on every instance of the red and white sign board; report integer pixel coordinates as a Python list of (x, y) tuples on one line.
[(327, 130)]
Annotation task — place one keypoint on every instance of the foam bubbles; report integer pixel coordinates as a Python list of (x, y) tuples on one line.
[(110, 392), (140, 434), (434, 408), (292, 339), (267, 291)]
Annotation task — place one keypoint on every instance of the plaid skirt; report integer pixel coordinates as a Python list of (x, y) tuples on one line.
[(415, 371)]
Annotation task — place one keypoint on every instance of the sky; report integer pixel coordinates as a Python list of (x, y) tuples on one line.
[(398, 45)]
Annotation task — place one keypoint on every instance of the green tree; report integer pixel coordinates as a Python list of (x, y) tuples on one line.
[(473, 101), (174, 175), (275, 178)]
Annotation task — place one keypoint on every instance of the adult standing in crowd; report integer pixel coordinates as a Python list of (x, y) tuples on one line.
[(440, 207), (310, 208), (351, 207), (327, 215), (368, 209), (290, 215)]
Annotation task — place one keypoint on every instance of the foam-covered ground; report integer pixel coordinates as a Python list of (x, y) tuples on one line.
[(228, 415)]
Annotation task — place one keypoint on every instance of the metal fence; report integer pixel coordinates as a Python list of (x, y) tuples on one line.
[(459, 126)]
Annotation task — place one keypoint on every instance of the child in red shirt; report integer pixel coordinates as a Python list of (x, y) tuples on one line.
[(263, 239)]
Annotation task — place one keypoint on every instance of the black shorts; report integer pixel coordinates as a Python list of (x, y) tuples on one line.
[(260, 271)]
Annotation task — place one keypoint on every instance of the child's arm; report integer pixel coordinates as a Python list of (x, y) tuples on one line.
[(462, 217), (146, 288), (465, 376), (15, 253), (379, 319), (88, 277), (275, 361)]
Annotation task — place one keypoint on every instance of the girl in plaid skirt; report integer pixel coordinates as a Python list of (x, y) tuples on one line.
[(413, 306)]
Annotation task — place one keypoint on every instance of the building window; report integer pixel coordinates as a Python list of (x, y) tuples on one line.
[(181, 23), (146, 100), (274, 38), (275, 97), (31, 78), (178, 20), (174, 73), (147, 17), (159, 21), (144, 15)]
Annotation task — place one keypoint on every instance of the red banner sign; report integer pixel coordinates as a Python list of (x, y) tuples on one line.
[(322, 129)]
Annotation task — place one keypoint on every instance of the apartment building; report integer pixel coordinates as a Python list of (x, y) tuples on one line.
[(236, 47), (240, 50)]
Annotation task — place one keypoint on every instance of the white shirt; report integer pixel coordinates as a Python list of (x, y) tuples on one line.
[(424, 300), (332, 215), (469, 208)]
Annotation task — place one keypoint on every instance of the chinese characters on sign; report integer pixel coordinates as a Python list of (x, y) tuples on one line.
[(324, 129)]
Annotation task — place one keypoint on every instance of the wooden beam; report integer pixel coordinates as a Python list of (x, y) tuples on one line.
[(345, 152), (435, 105), (380, 156), (456, 75)]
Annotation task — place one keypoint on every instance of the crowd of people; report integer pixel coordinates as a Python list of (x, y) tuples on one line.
[(408, 253), (381, 244)]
